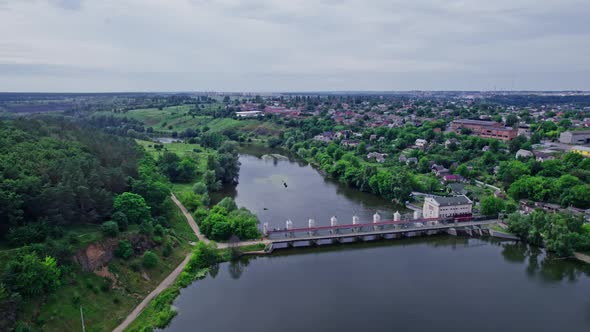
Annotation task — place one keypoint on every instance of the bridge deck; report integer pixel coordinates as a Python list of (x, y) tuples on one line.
[(384, 231)]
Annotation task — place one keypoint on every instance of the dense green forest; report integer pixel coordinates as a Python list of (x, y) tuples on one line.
[(55, 174)]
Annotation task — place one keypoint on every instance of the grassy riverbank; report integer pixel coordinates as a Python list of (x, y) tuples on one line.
[(160, 312)]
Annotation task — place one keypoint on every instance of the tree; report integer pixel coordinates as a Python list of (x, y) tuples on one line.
[(133, 206), (110, 229), (150, 260), (31, 276), (491, 206), (121, 219), (154, 191), (511, 120), (228, 204), (124, 250), (204, 255), (200, 188)]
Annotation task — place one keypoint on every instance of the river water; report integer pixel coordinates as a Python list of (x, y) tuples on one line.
[(437, 283)]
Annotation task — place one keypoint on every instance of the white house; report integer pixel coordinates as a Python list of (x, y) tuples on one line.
[(444, 207)]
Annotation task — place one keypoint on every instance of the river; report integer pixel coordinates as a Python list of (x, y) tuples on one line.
[(438, 283)]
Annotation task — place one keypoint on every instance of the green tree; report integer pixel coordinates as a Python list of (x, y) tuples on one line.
[(110, 228), (121, 219), (30, 276), (200, 188), (124, 250), (491, 206), (150, 259), (133, 206), (228, 204)]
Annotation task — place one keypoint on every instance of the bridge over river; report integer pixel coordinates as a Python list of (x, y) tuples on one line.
[(312, 236)]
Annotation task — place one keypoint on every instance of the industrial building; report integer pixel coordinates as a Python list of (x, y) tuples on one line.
[(444, 207), (575, 137), (485, 129)]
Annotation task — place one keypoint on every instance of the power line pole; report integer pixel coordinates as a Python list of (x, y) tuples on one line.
[(82, 319)]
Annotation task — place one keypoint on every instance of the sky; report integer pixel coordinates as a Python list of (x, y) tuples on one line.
[(293, 45)]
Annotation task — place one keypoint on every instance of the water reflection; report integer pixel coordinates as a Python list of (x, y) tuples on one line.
[(545, 267)]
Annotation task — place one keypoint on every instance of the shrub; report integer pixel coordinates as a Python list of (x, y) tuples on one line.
[(110, 229), (124, 250), (150, 260), (167, 251), (146, 227), (159, 230), (228, 203), (31, 276), (121, 219), (105, 285), (134, 266), (200, 188)]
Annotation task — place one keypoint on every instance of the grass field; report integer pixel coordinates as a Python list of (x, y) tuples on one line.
[(181, 149), (177, 118)]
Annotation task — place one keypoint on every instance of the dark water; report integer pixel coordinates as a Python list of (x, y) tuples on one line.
[(307, 194), (423, 284)]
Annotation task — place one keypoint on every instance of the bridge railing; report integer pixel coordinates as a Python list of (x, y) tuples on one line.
[(369, 224)]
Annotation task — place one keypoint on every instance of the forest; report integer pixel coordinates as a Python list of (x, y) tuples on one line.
[(69, 182)]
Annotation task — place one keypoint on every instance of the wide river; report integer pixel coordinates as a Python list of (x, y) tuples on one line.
[(439, 283)]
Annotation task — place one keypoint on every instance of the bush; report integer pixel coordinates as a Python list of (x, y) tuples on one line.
[(167, 251), (134, 266), (146, 227), (124, 250), (159, 230), (121, 219), (190, 200), (228, 203), (105, 285), (31, 276), (110, 229), (200, 188), (150, 260)]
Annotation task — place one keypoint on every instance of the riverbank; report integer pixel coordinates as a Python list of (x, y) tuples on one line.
[(152, 310), (582, 257)]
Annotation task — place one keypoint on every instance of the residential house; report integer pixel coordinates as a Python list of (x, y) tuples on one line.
[(349, 143), (542, 156), (379, 157)]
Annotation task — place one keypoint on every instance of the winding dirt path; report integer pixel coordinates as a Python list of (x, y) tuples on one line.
[(161, 287), (172, 276)]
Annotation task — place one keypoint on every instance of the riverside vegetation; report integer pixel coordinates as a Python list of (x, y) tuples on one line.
[(87, 221)]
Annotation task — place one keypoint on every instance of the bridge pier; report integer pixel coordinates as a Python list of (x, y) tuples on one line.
[(334, 223)]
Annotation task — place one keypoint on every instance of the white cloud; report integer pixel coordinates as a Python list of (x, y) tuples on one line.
[(74, 45)]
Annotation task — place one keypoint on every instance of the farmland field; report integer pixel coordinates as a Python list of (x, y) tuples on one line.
[(177, 118)]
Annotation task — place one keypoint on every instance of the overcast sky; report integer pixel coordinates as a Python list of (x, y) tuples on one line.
[(293, 45)]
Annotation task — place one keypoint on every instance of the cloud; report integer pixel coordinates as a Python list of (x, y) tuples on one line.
[(284, 45)]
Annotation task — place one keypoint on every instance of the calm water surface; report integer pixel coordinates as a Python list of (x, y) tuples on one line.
[(425, 284)]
